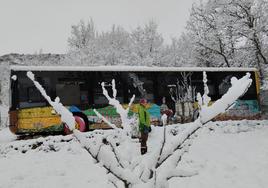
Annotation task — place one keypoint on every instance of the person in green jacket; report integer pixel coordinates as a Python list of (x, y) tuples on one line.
[(144, 124)]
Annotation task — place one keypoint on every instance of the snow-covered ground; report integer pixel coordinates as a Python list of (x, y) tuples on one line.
[(6, 136), (229, 154), (3, 116)]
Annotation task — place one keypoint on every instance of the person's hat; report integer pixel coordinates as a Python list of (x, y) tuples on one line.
[(143, 101)]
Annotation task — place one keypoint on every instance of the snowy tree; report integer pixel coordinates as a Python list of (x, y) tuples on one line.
[(250, 21), (114, 149), (82, 43), (147, 44), (212, 42), (114, 47), (107, 48), (179, 52), (229, 33), (82, 35)]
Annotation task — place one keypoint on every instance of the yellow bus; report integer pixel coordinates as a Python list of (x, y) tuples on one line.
[(79, 89)]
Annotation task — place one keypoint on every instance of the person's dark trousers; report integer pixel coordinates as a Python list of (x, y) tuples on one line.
[(144, 138)]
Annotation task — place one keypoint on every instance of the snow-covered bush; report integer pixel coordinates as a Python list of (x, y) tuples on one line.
[(119, 155)]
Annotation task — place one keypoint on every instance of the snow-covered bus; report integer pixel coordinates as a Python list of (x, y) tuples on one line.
[(79, 89)]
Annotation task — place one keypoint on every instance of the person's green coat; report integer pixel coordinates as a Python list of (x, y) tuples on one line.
[(144, 118)]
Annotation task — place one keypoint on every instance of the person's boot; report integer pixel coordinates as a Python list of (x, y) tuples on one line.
[(143, 150)]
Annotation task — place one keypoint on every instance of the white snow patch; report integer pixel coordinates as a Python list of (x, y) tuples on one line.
[(6, 136), (14, 77), (222, 156), (228, 157), (3, 116)]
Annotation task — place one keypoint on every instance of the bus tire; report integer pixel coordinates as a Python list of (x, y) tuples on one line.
[(81, 123), (84, 117), (81, 119)]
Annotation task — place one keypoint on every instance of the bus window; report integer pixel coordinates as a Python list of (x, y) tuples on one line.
[(33, 95), (69, 94), (29, 96), (225, 85)]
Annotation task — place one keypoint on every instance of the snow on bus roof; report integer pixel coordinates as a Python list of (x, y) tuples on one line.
[(127, 68)]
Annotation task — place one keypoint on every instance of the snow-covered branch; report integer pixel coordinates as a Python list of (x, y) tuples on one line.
[(155, 168), (175, 147), (66, 115), (105, 120), (104, 151), (238, 89), (180, 173), (119, 108)]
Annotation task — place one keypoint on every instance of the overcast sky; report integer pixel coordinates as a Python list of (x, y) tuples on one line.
[(28, 26)]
